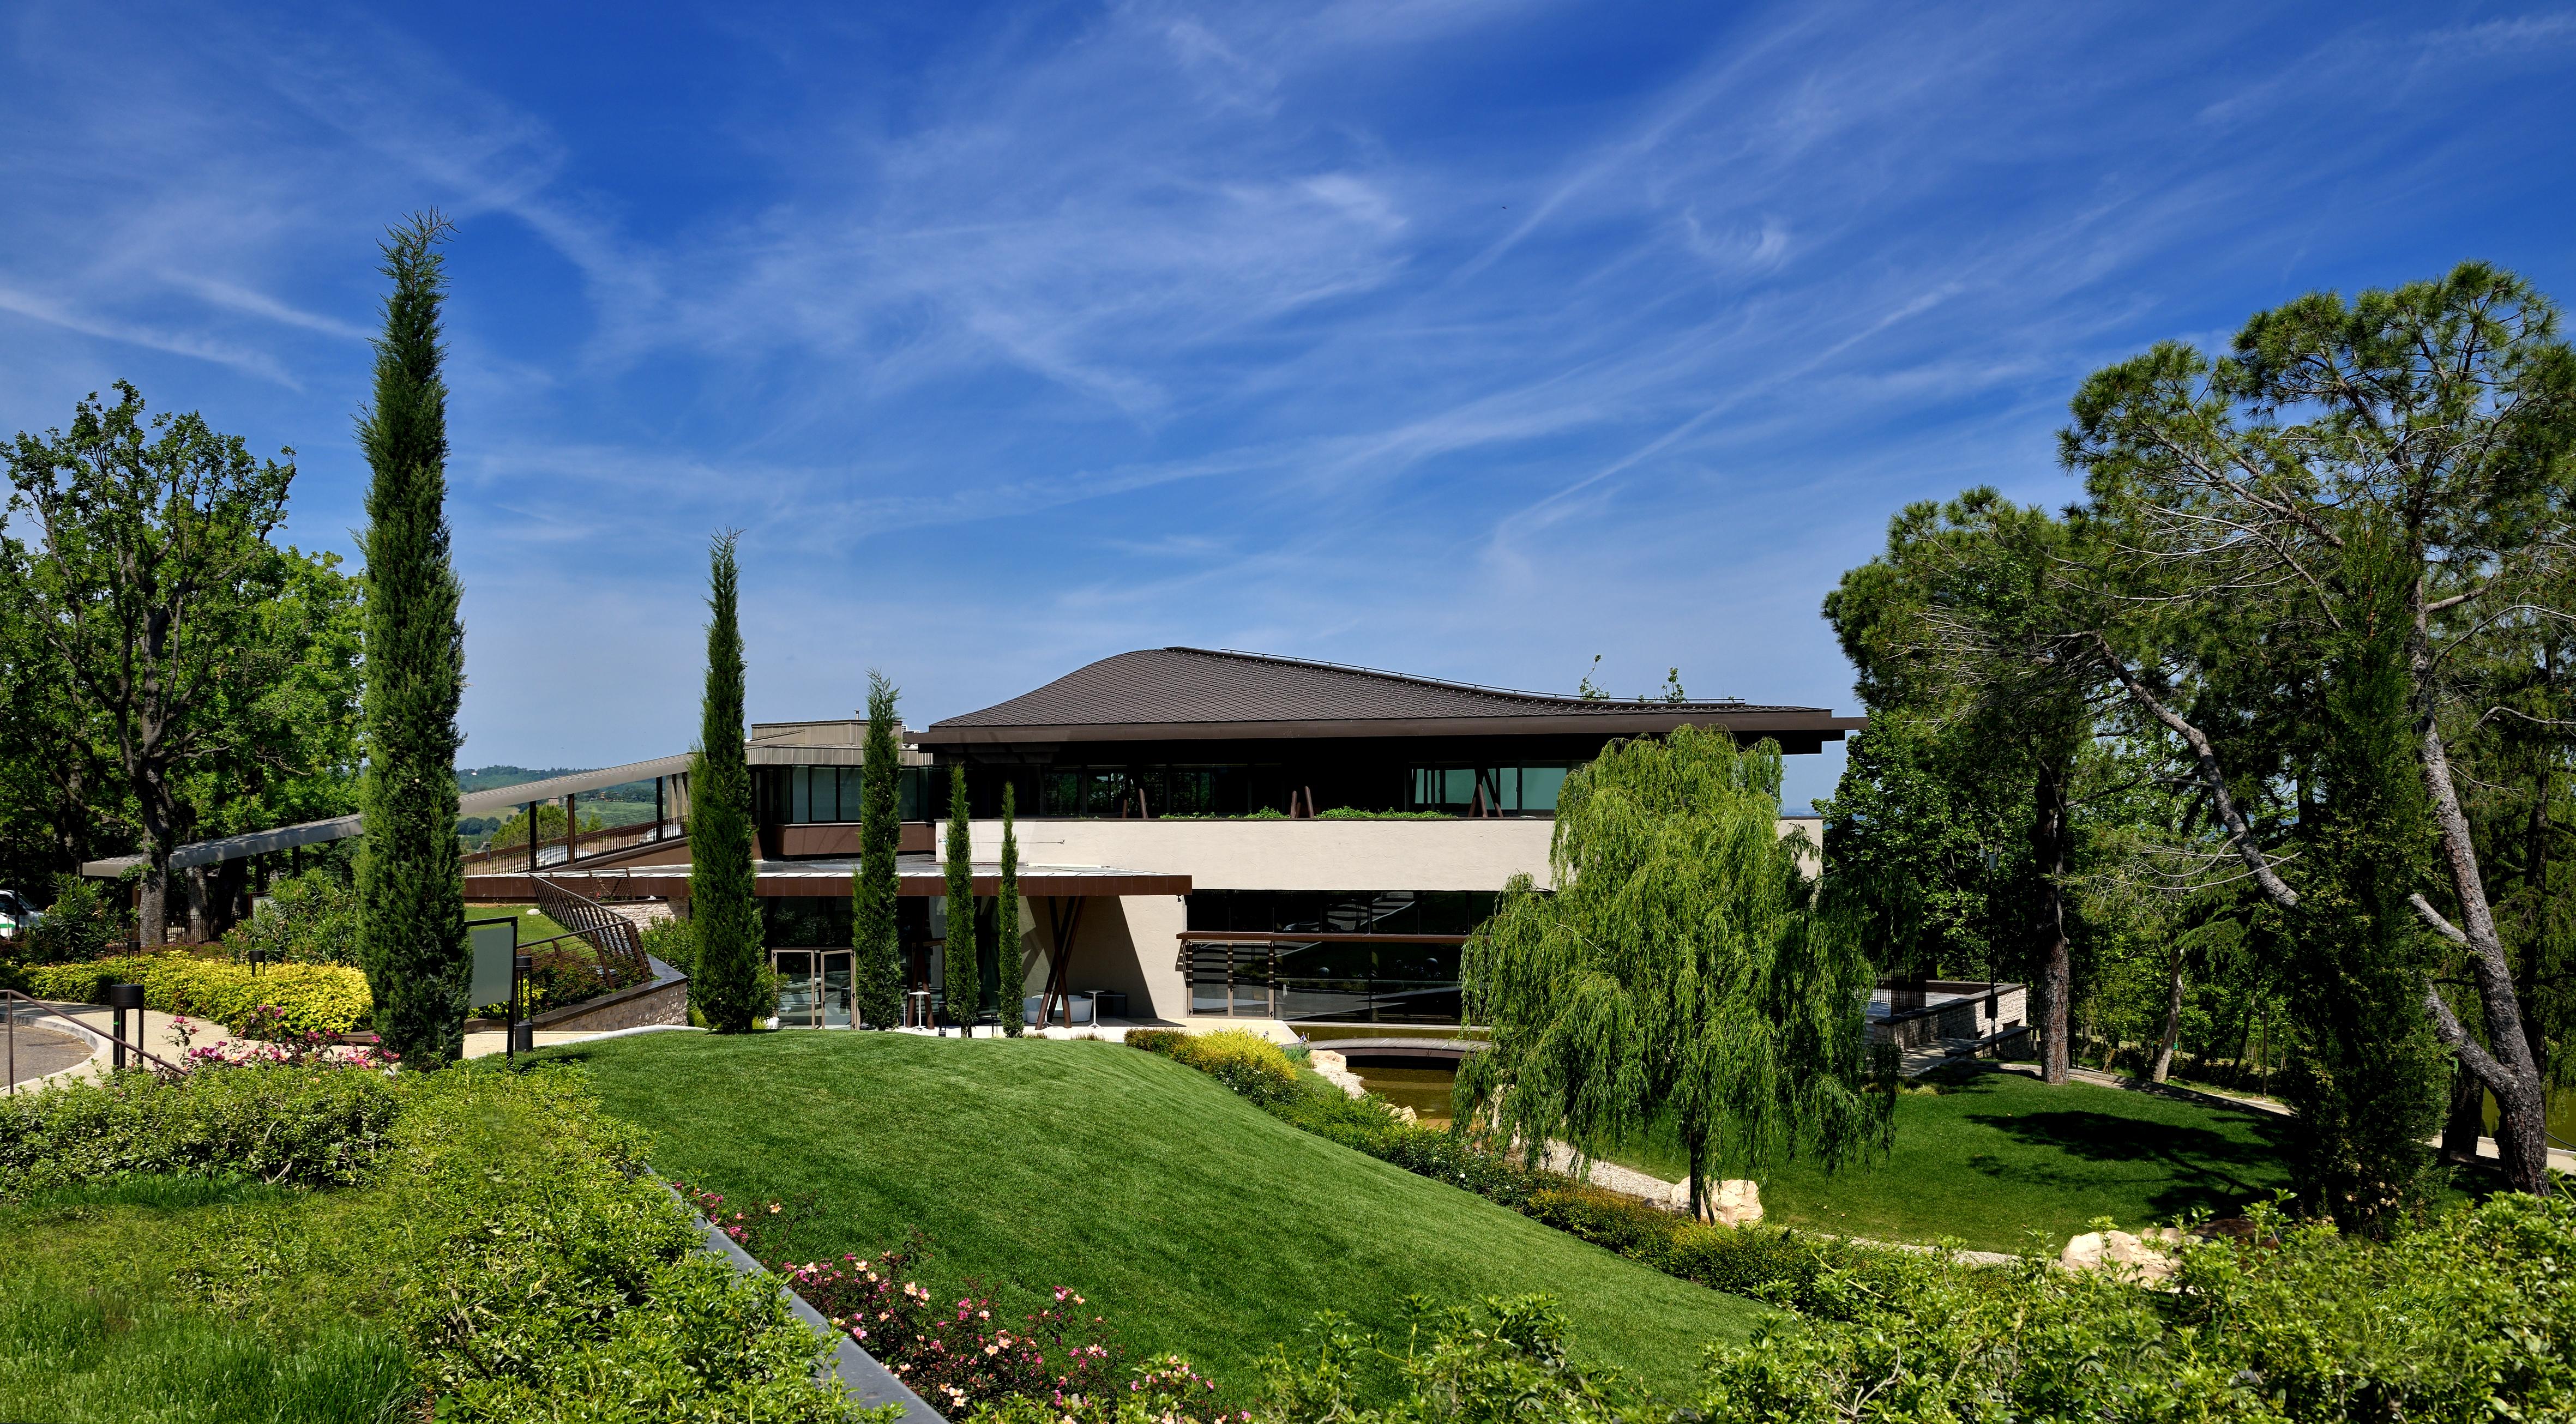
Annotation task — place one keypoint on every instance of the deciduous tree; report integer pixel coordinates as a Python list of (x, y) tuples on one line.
[(1682, 972), (140, 603)]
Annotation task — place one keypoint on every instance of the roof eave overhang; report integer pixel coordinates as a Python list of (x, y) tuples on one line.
[(1620, 724)]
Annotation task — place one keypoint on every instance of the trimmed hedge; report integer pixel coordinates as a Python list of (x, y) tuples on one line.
[(314, 998), (303, 1125)]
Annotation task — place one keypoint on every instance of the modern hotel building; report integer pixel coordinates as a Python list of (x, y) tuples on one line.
[(1201, 834)]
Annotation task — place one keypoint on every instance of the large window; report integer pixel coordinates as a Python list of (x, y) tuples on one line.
[(806, 795), (1383, 956), (1489, 790)]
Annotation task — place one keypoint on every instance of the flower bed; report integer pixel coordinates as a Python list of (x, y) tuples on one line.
[(958, 1356)]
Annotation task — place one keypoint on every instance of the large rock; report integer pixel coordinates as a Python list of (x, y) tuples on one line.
[(1735, 1202), (2146, 1258), (1333, 1068)]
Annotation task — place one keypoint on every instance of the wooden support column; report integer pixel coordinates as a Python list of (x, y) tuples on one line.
[(572, 845), (1061, 930), (657, 808), (530, 811)]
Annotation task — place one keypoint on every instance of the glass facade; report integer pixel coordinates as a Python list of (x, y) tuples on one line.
[(810, 795), (1114, 792), (1486, 790), (1365, 980)]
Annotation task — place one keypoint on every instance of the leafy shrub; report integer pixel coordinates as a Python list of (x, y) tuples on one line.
[(308, 1125), (559, 1280), (2465, 1318), (307, 998), (84, 922), (310, 918), (1244, 1061), (673, 941), (1769, 1264)]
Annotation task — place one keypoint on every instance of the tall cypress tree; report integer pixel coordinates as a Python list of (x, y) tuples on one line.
[(723, 908), (965, 971), (1010, 973), (873, 931), (411, 887)]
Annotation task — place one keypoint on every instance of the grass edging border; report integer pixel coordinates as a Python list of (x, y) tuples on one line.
[(869, 1381)]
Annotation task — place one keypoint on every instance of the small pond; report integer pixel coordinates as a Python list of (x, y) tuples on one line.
[(1417, 1084)]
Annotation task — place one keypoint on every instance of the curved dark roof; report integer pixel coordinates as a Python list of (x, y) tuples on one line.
[(1199, 693)]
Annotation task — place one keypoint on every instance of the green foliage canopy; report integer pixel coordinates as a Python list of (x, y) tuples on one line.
[(874, 884), (1683, 968), (723, 901), (965, 984), (411, 885)]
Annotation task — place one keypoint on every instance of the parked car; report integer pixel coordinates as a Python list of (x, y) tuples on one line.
[(16, 915)]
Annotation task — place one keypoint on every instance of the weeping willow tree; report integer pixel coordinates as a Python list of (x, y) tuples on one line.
[(1683, 975)]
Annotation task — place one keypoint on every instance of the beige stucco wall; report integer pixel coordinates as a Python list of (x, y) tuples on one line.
[(1131, 943), (1291, 855)]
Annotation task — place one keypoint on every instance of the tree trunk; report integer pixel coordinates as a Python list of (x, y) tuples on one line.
[(2056, 958), (199, 880), (2509, 1068), (1696, 1145), (2465, 1123), (2173, 1023)]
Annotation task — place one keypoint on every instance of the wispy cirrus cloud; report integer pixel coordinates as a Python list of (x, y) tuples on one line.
[(1469, 337)]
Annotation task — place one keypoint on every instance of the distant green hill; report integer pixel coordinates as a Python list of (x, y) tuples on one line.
[(492, 778)]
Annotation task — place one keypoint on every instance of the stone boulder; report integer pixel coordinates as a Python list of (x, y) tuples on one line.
[(1735, 1202), (2146, 1257)]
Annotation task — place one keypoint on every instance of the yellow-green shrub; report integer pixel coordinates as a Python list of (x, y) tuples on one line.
[(314, 998), (1242, 1060)]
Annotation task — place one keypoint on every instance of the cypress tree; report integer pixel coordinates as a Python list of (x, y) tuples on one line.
[(965, 976), (873, 931), (1010, 979), (722, 904), (410, 872)]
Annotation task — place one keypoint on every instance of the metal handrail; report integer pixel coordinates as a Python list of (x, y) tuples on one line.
[(11, 998)]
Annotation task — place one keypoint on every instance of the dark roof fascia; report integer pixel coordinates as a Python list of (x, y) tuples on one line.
[(1615, 724)]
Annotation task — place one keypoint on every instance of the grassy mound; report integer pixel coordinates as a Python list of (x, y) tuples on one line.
[(1194, 1221)]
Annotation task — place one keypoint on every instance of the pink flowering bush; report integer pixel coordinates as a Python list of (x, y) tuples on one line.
[(958, 1354), (272, 1041)]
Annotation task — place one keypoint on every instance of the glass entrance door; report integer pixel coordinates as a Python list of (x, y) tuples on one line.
[(814, 987)]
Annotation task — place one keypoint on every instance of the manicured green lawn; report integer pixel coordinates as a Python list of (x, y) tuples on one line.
[(1994, 1156), (1192, 1220), (104, 1315)]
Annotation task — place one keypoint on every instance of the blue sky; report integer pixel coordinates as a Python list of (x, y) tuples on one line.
[(1463, 339)]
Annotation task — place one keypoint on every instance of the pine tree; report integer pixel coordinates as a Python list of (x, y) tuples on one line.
[(965, 977), (873, 930), (722, 902), (1011, 975), (411, 887)]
